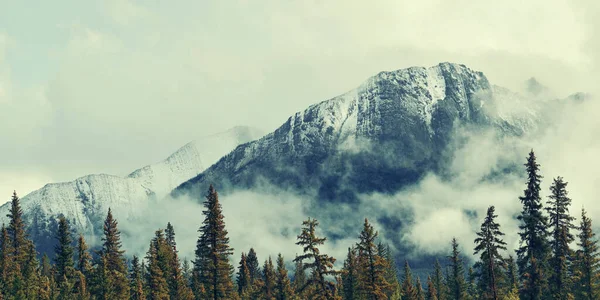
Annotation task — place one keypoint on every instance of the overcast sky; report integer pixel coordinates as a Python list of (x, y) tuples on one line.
[(109, 86)]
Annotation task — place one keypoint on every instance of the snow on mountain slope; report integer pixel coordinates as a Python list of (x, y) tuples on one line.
[(380, 136), (85, 201)]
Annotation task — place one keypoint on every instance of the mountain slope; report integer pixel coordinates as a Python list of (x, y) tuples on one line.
[(380, 137), (85, 201)]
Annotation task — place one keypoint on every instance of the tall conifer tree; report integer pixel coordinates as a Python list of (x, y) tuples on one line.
[(533, 254), (321, 265), (409, 292), (560, 225), (372, 267), (283, 287), (587, 263), (211, 267), (490, 265), (456, 278)]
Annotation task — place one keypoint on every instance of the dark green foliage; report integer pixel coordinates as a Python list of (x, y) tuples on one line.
[(372, 267), (320, 265), (268, 277), (299, 276), (83, 257), (350, 275), (587, 262), (243, 276), (490, 265), (212, 271), (63, 250), (438, 281), (409, 292), (534, 252), (431, 290), (420, 294), (560, 225), (456, 277), (253, 265), (136, 285), (283, 286)]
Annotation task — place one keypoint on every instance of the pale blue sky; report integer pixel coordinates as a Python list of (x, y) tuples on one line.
[(108, 86)]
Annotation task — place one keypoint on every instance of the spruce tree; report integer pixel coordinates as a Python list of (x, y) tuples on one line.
[(560, 223), (456, 278), (31, 276), (268, 277), (7, 264), (83, 257), (472, 290), (170, 236), (158, 288), (17, 231), (321, 265), (136, 285), (587, 263), (372, 267), (253, 265), (243, 277), (299, 276), (438, 281), (391, 273), (420, 294), (512, 274), (211, 267), (533, 254), (409, 292), (111, 272), (283, 287), (490, 265), (350, 275), (63, 251), (431, 291)]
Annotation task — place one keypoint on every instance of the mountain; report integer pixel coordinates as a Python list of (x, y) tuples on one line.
[(380, 137), (85, 201)]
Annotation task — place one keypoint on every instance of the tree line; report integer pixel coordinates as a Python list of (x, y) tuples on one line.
[(546, 265)]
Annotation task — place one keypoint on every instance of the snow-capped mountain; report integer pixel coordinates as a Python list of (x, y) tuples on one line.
[(381, 136), (85, 201)]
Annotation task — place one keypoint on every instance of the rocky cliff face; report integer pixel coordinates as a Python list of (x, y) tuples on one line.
[(381, 136)]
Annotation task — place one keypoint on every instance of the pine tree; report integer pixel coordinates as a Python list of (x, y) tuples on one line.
[(533, 254), (178, 287), (431, 291), (409, 291), (83, 257), (136, 286), (587, 263), (170, 236), (350, 275), (391, 273), (253, 266), (63, 259), (243, 277), (158, 288), (17, 231), (283, 287), (372, 267), (111, 272), (420, 294), (268, 277), (472, 290), (7, 264), (31, 276), (560, 224), (299, 276), (321, 265), (211, 267), (456, 279), (512, 274), (438, 281), (488, 243), (63, 250)]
